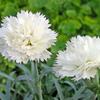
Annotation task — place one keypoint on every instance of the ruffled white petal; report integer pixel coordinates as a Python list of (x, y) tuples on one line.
[(80, 59), (26, 37)]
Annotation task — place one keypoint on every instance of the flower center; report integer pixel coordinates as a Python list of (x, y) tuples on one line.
[(27, 42)]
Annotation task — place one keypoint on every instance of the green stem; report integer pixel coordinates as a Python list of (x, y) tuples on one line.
[(97, 79), (98, 84), (59, 90), (38, 83)]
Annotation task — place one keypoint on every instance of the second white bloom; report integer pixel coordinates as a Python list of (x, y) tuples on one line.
[(80, 59)]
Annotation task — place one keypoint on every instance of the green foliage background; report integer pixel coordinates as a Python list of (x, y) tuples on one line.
[(67, 17)]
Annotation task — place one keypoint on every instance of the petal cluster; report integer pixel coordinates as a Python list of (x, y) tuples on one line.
[(26, 37), (80, 60)]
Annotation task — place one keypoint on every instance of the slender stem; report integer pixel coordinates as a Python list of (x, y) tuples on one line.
[(59, 90), (98, 84), (38, 82), (97, 79)]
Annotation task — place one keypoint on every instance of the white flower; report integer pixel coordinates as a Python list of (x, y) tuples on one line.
[(26, 37), (80, 59)]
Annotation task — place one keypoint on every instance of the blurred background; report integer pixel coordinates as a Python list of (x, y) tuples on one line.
[(68, 18)]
